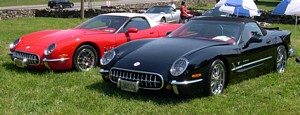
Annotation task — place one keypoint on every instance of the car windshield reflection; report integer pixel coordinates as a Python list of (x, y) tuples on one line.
[(209, 30), (159, 9), (104, 23)]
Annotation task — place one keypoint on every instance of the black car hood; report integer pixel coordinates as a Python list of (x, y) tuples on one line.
[(167, 50)]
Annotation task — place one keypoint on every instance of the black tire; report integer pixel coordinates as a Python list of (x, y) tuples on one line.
[(281, 59), (163, 20), (85, 58), (216, 78)]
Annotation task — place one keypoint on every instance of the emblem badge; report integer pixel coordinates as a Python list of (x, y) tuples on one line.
[(136, 64), (27, 47)]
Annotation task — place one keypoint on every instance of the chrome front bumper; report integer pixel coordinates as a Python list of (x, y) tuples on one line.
[(175, 83), (291, 52), (46, 61)]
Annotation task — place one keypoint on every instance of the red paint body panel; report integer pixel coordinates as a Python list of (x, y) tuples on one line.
[(67, 41)]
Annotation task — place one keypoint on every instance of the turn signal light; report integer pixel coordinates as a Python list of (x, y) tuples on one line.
[(196, 75)]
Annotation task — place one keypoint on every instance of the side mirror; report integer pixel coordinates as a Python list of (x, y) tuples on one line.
[(143, 11), (131, 30), (253, 39)]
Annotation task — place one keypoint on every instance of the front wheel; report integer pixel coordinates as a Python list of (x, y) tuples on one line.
[(163, 20), (85, 58), (215, 82), (281, 59)]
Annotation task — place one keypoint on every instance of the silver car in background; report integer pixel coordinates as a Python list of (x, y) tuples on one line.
[(166, 14)]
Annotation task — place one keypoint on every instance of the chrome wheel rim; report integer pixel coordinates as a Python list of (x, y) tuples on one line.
[(281, 59), (86, 59), (217, 79)]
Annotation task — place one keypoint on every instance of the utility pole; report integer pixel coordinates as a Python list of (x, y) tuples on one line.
[(82, 9)]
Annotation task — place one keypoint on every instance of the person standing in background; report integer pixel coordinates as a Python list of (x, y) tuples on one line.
[(172, 4), (183, 13)]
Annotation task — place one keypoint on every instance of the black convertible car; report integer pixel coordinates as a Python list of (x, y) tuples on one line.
[(201, 56)]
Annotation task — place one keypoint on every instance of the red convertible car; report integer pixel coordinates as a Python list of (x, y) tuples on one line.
[(80, 48)]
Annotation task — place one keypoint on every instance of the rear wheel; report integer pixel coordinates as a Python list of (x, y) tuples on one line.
[(215, 82), (281, 59), (85, 58)]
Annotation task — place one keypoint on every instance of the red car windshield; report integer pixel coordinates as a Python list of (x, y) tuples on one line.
[(104, 23), (210, 30)]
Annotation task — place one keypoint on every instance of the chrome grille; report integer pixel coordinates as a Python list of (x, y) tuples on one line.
[(32, 59), (147, 80)]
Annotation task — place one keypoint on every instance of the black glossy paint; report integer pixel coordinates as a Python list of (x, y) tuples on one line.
[(157, 55)]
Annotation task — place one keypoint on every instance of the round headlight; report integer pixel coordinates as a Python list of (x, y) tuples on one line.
[(49, 50), (107, 57), (179, 66), (12, 45)]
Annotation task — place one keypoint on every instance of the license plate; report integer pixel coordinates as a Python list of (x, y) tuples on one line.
[(128, 85), (20, 63)]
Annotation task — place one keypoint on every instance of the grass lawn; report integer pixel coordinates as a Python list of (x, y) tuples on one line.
[(25, 91), (31, 2)]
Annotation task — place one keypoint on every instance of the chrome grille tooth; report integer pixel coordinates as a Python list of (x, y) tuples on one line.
[(141, 79), (123, 74), (114, 74), (154, 81), (150, 80), (117, 74), (146, 81)]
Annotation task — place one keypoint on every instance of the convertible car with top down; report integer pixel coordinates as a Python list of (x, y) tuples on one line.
[(198, 58), (80, 48)]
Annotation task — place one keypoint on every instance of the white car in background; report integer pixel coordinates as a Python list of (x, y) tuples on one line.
[(165, 14)]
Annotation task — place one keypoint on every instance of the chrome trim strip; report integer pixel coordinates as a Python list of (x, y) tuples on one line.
[(250, 63), (55, 60), (162, 84), (291, 52), (174, 84), (103, 71), (45, 60)]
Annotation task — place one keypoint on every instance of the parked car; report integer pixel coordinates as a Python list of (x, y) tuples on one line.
[(200, 57), (163, 14), (60, 3), (80, 48)]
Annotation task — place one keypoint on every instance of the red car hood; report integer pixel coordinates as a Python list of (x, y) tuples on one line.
[(47, 37)]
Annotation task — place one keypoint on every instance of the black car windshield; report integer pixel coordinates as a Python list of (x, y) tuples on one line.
[(104, 22), (210, 30), (159, 9)]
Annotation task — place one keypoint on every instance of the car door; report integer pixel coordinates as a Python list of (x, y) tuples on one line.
[(255, 56), (174, 15), (143, 27)]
